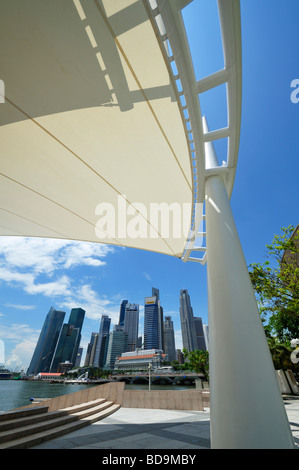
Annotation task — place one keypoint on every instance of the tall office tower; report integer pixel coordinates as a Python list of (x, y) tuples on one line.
[(201, 344), (47, 341), (153, 322), (156, 293), (187, 322), (131, 325), (98, 359), (169, 343), (117, 344), (93, 349), (93, 340), (122, 312), (69, 340)]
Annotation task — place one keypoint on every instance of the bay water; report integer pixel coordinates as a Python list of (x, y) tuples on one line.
[(17, 393)]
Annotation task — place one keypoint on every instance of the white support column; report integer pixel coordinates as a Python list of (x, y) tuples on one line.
[(247, 410)]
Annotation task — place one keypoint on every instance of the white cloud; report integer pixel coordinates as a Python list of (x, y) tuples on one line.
[(20, 307), (28, 284), (46, 255), (94, 305), (24, 260), (47, 267), (147, 276), (21, 355), (19, 341)]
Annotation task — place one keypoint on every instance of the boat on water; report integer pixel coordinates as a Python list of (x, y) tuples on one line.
[(4, 373)]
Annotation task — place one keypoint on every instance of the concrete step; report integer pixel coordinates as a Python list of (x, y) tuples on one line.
[(33, 416), (56, 424), (83, 406), (9, 415)]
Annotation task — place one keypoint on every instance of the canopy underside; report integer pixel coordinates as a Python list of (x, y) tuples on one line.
[(91, 117)]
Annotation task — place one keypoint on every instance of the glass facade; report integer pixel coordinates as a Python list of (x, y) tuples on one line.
[(100, 351), (187, 322), (69, 340), (151, 321), (118, 342), (47, 341), (169, 343), (131, 325), (122, 312)]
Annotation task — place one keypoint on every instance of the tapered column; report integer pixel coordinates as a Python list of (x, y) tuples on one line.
[(247, 410)]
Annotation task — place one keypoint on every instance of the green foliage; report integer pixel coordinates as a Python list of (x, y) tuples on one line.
[(276, 285), (93, 373), (176, 365), (281, 355), (197, 361)]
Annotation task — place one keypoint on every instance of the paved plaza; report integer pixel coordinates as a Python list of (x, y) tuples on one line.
[(136, 428)]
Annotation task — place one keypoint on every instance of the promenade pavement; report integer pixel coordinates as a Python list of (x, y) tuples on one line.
[(136, 428)]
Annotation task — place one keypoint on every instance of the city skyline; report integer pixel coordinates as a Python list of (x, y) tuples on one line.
[(102, 349)]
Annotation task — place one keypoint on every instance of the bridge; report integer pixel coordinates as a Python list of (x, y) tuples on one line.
[(158, 378)]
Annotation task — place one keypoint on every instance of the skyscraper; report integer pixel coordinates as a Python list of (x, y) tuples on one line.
[(153, 321), (201, 344), (93, 349), (131, 325), (47, 341), (99, 356), (187, 322), (117, 344), (90, 348), (169, 343), (69, 340), (122, 312)]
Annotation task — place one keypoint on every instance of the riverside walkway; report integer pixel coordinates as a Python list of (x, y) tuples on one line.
[(136, 428)]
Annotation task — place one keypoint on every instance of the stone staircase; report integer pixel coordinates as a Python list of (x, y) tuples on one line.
[(24, 428)]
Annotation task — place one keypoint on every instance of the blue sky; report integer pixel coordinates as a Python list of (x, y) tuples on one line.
[(36, 274)]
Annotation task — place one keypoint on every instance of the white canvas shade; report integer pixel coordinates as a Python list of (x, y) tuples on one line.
[(92, 114)]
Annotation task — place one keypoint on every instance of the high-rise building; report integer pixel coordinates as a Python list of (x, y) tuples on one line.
[(122, 312), (90, 346), (117, 344), (47, 341), (169, 342), (93, 349), (100, 349), (131, 325), (201, 344), (179, 356), (69, 340), (153, 322), (187, 322)]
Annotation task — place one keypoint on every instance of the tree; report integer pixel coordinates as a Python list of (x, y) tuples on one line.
[(198, 361), (281, 355), (276, 285)]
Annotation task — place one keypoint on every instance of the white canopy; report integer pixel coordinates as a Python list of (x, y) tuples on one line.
[(93, 122)]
